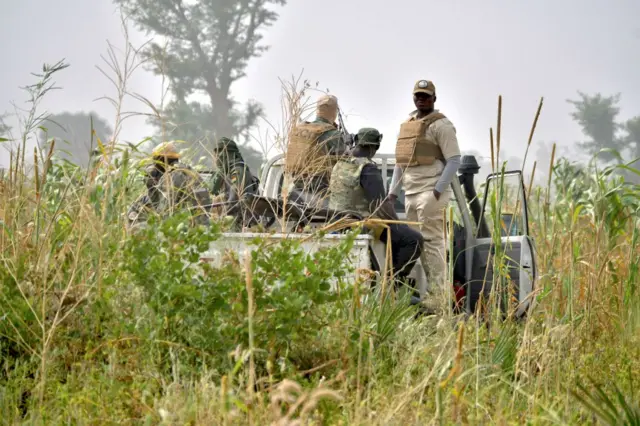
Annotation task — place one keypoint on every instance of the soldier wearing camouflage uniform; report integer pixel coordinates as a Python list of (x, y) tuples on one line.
[(172, 185), (232, 168), (312, 151), (356, 185)]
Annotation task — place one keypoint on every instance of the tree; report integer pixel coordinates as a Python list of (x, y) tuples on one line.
[(631, 139), (5, 129), (72, 132), (596, 114), (209, 44), (252, 157)]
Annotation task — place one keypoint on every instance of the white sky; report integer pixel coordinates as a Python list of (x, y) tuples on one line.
[(369, 53)]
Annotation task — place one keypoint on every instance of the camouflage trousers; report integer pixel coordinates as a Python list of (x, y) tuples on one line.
[(425, 209)]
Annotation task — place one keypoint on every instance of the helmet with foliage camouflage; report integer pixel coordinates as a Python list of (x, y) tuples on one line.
[(166, 150), (368, 136), (225, 145)]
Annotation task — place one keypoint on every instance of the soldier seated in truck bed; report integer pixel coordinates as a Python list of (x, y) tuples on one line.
[(356, 185)]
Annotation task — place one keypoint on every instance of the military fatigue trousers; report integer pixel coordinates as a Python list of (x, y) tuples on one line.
[(424, 208)]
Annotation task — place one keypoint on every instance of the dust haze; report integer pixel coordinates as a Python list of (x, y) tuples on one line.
[(369, 54)]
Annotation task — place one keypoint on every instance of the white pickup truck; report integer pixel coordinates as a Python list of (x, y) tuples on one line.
[(473, 245)]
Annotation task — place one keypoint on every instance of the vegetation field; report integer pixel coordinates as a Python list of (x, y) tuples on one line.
[(101, 326)]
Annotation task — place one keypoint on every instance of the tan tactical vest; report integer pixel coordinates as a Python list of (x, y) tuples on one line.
[(344, 188), (305, 156), (413, 148)]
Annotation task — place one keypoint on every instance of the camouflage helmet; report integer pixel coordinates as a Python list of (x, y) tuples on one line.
[(368, 136), (225, 145), (166, 150)]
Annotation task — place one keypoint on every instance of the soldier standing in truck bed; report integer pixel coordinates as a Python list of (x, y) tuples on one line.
[(312, 151), (427, 160)]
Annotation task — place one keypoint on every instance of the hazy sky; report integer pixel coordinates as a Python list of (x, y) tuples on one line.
[(369, 53)]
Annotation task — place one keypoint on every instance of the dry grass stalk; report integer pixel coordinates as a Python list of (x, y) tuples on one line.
[(493, 154), (532, 131), (499, 131), (250, 301), (530, 187), (291, 406)]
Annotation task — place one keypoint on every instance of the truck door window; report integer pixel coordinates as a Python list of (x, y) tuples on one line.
[(504, 203)]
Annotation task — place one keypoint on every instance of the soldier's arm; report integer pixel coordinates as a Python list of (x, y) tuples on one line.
[(373, 186), (448, 174), (249, 180), (334, 141), (448, 141), (240, 179), (396, 182), (217, 184)]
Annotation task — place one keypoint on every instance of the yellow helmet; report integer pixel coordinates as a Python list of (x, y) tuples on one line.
[(166, 150)]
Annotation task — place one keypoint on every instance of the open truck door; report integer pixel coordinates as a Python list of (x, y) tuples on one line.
[(504, 243)]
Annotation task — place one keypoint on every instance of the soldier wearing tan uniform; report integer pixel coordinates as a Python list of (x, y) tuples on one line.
[(312, 151), (427, 160)]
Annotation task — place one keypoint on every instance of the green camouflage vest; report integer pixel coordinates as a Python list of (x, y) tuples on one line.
[(344, 187)]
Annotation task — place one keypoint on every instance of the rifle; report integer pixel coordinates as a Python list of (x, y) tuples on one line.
[(348, 137)]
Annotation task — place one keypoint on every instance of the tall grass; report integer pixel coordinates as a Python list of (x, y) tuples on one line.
[(101, 326)]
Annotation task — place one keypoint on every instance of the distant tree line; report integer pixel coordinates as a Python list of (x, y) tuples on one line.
[(597, 115), (208, 45)]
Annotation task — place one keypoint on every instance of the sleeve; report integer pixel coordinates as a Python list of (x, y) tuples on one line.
[(396, 181), (238, 177), (448, 174), (334, 141), (372, 184), (447, 139), (216, 184)]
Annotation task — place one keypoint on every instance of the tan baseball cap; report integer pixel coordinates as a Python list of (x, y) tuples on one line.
[(424, 86)]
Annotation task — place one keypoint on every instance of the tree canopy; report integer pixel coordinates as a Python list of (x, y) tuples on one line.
[(208, 46), (73, 135)]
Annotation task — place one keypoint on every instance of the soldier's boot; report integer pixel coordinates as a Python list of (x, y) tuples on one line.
[(435, 300), (408, 283), (432, 303)]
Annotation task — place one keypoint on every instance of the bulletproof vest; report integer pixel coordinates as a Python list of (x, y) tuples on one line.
[(305, 156), (413, 147), (345, 190)]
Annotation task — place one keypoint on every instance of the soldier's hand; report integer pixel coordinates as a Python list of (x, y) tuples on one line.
[(436, 194), (392, 197)]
